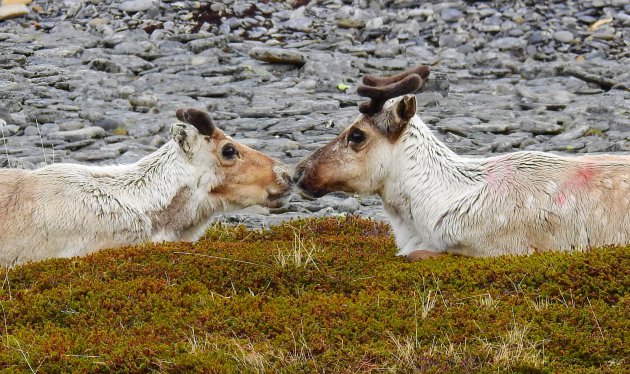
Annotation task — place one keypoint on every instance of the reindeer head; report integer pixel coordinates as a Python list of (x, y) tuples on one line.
[(245, 176), (359, 159)]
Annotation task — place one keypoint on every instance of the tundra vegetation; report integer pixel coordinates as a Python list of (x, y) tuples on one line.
[(312, 296)]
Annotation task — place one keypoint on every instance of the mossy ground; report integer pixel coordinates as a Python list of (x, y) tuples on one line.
[(312, 296)]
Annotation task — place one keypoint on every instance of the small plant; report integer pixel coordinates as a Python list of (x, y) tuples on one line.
[(427, 301), (514, 349), (487, 301), (299, 255), (120, 130), (4, 140)]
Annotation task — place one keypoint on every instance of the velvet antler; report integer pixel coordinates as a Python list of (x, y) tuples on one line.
[(381, 89), (201, 120), (371, 80)]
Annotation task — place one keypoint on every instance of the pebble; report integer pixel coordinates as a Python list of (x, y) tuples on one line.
[(451, 14), (133, 6), (508, 43), (563, 36), (349, 205)]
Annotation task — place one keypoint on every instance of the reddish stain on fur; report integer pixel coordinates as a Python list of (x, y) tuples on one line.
[(581, 179), (498, 174)]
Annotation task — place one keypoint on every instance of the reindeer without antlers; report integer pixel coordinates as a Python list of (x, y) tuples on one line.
[(66, 210), (439, 202)]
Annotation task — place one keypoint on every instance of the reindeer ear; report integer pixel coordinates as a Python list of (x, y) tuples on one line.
[(403, 110), (406, 108), (201, 120)]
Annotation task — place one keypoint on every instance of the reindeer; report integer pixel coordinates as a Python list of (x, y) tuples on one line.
[(439, 202), (66, 210)]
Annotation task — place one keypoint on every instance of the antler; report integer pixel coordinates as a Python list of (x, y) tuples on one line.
[(381, 89), (371, 80)]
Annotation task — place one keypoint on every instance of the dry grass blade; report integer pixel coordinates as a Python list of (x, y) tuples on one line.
[(299, 255), (4, 141)]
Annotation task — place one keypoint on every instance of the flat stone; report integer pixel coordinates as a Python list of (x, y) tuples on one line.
[(11, 2), (11, 11), (199, 45), (572, 134), (91, 156), (539, 127), (299, 24), (349, 205), (563, 36), (508, 43), (278, 56), (451, 14), (133, 6), (81, 134), (76, 145), (109, 66), (346, 23)]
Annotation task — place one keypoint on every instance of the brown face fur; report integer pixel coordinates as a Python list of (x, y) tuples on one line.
[(357, 160), (249, 176), (344, 164)]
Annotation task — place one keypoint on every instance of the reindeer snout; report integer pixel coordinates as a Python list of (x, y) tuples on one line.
[(286, 177), (283, 174), (297, 176)]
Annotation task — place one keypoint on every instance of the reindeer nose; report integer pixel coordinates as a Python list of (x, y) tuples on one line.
[(286, 177), (297, 176)]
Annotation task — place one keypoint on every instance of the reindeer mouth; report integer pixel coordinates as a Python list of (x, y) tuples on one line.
[(278, 200)]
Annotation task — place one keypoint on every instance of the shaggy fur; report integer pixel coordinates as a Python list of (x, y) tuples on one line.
[(66, 210), (439, 202)]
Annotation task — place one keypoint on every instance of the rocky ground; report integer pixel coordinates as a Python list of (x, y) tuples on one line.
[(94, 81)]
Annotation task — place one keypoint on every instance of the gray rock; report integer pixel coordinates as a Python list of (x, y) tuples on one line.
[(133, 6), (81, 134), (101, 64), (108, 123), (145, 101), (538, 127), (451, 14), (508, 43), (349, 205), (92, 156), (572, 134), (563, 36), (75, 145), (200, 45), (299, 24), (278, 56)]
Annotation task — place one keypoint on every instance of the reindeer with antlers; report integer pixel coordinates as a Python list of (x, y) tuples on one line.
[(439, 202)]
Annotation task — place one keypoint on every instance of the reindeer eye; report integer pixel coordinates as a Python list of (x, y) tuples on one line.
[(356, 136), (229, 152)]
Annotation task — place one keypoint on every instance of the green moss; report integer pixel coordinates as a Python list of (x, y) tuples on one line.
[(120, 130), (313, 295), (594, 132)]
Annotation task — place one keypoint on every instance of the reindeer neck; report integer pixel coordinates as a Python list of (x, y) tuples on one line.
[(150, 181), (423, 163)]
